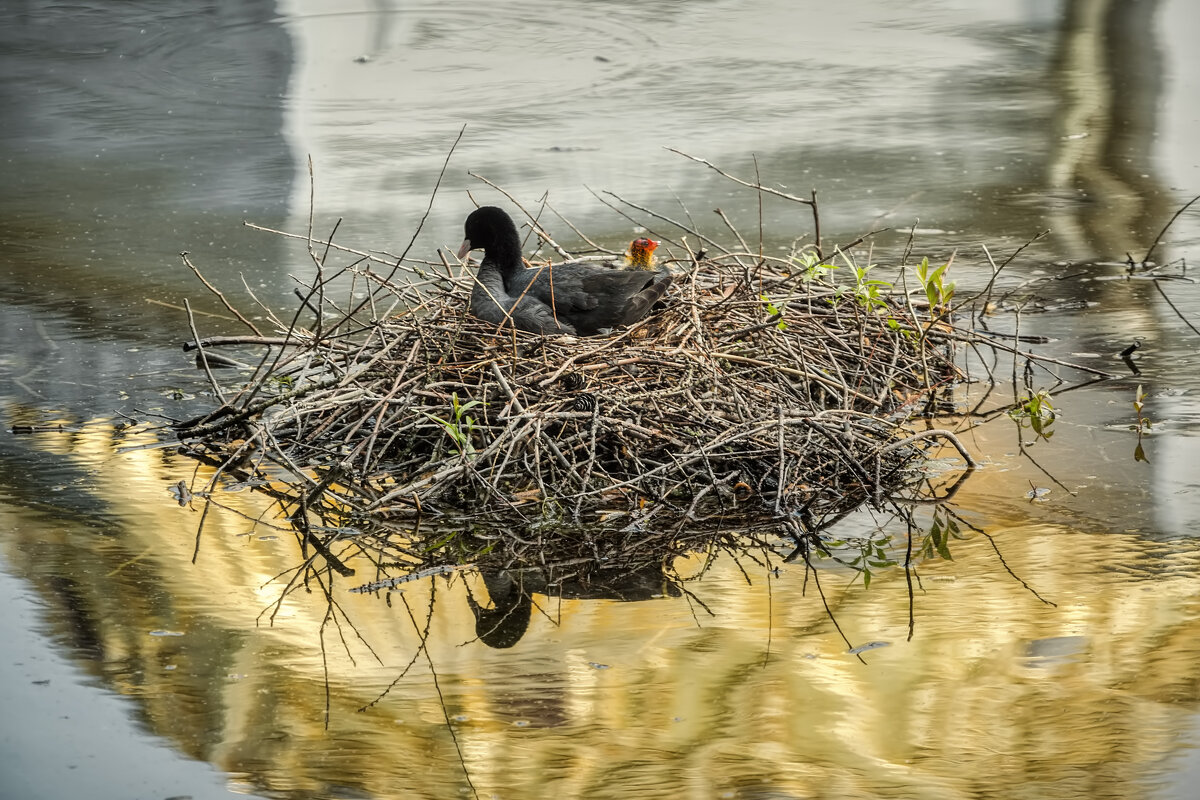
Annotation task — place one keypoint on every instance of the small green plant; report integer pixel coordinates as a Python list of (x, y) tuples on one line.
[(773, 310), (938, 291), (812, 267), (1141, 424), (1038, 412), (867, 291), (461, 427)]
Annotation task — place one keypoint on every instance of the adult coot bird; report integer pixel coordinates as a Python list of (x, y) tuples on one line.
[(576, 297)]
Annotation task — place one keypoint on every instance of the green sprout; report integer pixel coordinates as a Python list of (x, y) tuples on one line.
[(773, 310), (1038, 412), (938, 291), (461, 427), (868, 292), (1141, 425), (813, 268)]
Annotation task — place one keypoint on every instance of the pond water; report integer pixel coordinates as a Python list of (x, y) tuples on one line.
[(1055, 656)]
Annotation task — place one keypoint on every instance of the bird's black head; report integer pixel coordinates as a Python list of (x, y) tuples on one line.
[(488, 227)]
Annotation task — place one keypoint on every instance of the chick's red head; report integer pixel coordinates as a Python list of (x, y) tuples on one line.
[(641, 252)]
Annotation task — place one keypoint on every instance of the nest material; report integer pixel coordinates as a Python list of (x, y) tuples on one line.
[(753, 391)]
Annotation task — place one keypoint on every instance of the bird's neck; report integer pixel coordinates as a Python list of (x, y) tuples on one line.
[(505, 256), (640, 259)]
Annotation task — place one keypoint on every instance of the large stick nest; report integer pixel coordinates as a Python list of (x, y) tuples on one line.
[(756, 391)]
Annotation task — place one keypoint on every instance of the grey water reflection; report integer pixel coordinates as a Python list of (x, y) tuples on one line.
[(133, 132)]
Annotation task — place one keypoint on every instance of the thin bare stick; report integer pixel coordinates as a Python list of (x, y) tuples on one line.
[(1178, 313), (756, 186), (220, 296), (578, 232), (996, 270), (201, 356), (666, 219), (432, 195), (732, 229), (1170, 222), (533, 223)]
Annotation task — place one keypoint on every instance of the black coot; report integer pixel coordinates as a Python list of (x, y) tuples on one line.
[(580, 298)]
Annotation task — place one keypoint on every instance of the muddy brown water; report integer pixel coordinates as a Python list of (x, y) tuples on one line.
[(134, 133)]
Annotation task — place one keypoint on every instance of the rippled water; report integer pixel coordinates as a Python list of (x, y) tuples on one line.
[(1053, 657)]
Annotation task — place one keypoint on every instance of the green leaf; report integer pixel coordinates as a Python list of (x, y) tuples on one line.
[(442, 542), (944, 549)]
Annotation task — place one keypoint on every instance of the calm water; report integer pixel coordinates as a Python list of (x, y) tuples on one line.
[(134, 133)]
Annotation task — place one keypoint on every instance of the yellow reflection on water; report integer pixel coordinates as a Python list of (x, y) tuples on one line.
[(997, 694)]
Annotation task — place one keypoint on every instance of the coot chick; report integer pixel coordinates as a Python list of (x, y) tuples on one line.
[(641, 254), (576, 297)]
